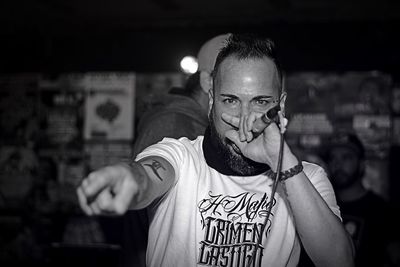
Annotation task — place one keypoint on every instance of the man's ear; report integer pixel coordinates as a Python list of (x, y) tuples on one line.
[(205, 81), (282, 102), (210, 100)]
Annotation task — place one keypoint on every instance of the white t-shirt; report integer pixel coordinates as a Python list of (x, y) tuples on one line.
[(211, 219)]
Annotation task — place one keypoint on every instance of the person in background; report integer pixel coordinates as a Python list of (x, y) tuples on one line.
[(366, 215), (184, 114), (211, 200)]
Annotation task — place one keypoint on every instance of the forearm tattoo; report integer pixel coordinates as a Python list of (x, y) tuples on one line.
[(155, 166)]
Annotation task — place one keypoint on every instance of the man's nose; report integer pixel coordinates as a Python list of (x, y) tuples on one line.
[(245, 109)]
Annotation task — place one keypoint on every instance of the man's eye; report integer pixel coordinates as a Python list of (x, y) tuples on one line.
[(229, 101), (262, 102)]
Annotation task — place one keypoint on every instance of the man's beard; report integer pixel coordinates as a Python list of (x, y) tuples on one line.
[(236, 161)]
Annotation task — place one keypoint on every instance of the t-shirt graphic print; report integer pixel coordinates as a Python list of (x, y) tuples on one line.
[(211, 219), (232, 226)]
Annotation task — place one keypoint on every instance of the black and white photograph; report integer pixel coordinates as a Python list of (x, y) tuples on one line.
[(171, 133)]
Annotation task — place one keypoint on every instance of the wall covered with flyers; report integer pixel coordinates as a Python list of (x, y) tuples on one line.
[(366, 103), (76, 121), (89, 118), (54, 130)]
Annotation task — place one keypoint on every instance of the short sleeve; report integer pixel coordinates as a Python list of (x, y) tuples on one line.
[(319, 179), (172, 150)]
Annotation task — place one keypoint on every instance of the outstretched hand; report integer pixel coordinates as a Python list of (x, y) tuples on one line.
[(107, 191)]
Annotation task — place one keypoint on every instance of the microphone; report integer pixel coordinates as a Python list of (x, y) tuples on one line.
[(266, 119)]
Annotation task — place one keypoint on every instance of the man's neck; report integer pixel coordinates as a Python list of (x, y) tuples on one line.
[(216, 159)]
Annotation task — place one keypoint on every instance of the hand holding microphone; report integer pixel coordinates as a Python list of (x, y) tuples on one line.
[(273, 115), (257, 135), (256, 124), (266, 119)]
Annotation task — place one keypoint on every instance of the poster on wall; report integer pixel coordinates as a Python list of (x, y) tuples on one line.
[(109, 106), (365, 93), (320, 102), (341, 95), (61, 103), (19, 122), (17, 167)]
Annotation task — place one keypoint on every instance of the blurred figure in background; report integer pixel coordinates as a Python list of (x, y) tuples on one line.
[(186, 112), (366, 215), (184, 115)]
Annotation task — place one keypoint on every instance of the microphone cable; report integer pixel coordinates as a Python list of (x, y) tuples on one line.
[(274, 187)]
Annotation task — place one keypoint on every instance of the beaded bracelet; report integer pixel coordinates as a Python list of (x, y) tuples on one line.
[(288, 173)]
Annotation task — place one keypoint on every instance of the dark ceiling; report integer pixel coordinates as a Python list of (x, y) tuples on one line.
[(72, 35)]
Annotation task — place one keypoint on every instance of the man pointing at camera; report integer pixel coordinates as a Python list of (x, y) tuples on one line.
[(208, 198)]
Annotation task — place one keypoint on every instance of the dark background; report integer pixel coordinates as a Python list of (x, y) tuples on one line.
[(152, 36)]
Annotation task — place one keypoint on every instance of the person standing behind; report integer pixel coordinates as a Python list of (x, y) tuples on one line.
[(184, 115), (365, 214), (186, 112)]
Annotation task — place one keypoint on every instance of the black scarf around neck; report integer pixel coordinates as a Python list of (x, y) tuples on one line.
[(215, 159)]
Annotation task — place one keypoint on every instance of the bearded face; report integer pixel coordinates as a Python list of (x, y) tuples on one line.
[(345, 167), (230, 153), (240, 87)]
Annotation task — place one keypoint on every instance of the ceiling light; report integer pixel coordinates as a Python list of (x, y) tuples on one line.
[(189, 64)]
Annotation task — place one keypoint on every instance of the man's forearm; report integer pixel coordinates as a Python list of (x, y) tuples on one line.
[(154, 176), (141, 198), (320, 230)]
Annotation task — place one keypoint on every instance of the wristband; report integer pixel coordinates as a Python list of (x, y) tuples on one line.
[(288, 173)]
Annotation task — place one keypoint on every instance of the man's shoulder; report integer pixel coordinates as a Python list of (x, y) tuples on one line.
[(176, 151), (185, 141), (315, 173), (180, 143), (311, 168)]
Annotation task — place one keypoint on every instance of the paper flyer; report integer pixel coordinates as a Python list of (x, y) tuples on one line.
[(109, 106)]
